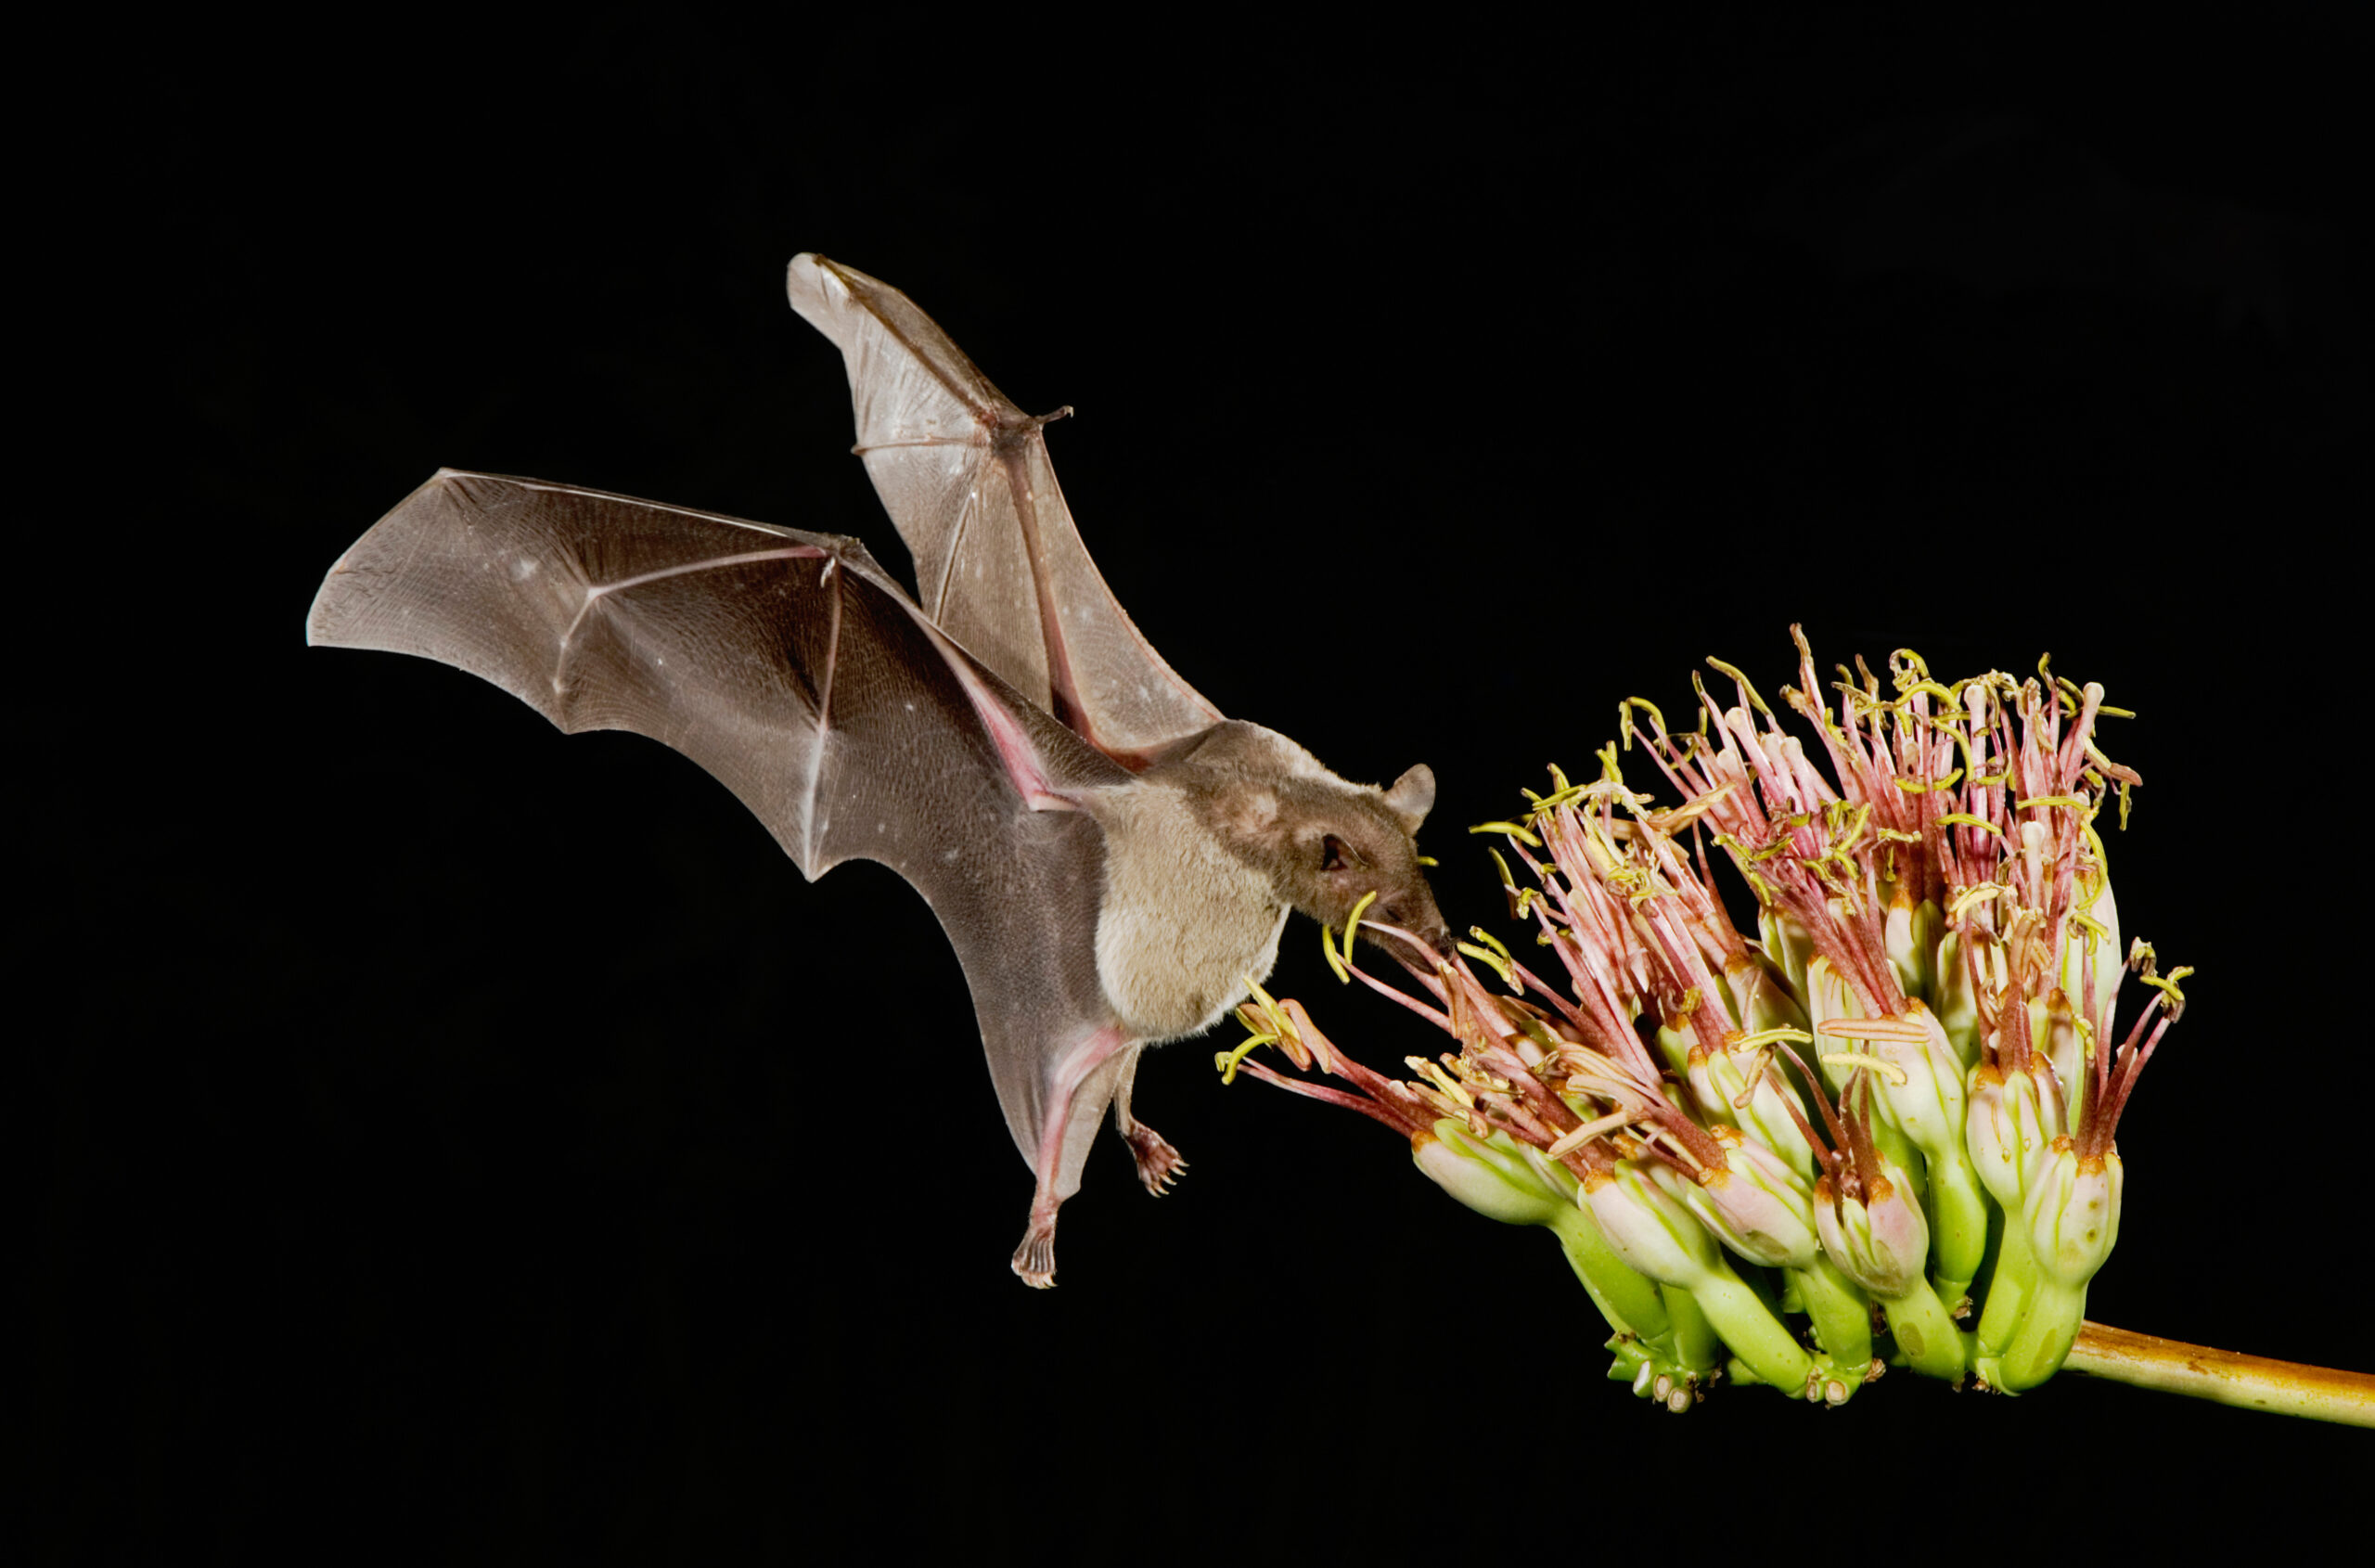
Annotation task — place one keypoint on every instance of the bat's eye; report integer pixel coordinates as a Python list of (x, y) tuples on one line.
[(1334, 855)]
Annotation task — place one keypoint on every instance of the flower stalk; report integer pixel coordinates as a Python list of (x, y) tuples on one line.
[(1892, 1113)]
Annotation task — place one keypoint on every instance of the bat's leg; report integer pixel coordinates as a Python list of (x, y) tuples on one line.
[(1084, 1082), (1158, 1163)]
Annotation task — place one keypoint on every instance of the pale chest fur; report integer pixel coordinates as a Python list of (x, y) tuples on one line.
[(1183, 922)]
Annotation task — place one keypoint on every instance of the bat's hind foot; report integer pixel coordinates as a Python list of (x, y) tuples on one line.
[(1034, 1260), (1158, 1163)]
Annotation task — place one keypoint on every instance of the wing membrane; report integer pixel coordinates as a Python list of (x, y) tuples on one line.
[(791, 668), (999, 564)]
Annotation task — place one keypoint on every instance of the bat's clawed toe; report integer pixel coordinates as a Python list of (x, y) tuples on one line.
[(1158, 1163), (1034, 1260)]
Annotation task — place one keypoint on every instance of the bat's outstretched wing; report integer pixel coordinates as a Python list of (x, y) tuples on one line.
[(999, 566), (789, 665)]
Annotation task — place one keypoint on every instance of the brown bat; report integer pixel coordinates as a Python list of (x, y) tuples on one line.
[(1111, 858)]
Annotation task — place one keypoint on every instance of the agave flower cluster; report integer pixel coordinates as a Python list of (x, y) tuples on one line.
[(1889, 1113)]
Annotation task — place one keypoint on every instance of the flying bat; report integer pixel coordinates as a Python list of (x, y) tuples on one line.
[(1110, 857)]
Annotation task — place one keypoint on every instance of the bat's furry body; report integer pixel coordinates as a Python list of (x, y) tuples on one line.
[(1108, 882)]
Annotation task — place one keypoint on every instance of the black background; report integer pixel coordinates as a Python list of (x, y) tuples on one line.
[(464, 1144)]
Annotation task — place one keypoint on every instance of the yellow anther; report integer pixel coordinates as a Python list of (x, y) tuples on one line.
[(1352, 923), (1440, 1103), (1327, 950), (1226, 1060), (1625, 718), (1486, 937), (1759, 1037), (1916, 787), (1442, 1081), (1966, 819), (1517, 830), (1970, 896), (1492, 961), (1425, 860), (1676, 817), (1572, 1141), (1888, 1070), (1903, 1029), (1754, 700), (2074, 801), (2167, 985)]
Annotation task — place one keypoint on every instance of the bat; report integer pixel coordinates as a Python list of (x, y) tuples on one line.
[(1111, 858)]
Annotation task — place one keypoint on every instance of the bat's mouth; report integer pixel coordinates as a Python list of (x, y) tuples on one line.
[(1436, 940)]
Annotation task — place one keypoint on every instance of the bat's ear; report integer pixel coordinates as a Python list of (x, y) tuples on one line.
[(1412, 796)]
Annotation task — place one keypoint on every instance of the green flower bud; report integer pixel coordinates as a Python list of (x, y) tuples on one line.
[(1928, 1105), (1490, 1175), (1829, 1000), (2055, 1034), (1760, 993), (1649, 1229), (1754, 1203), (1516, 1184), (1956, 1002), (1663, 1240), (1719, 1080), (1923, 1098), (2011, 1125), (1881, 1241), (1827, 997), (2072, 1212)]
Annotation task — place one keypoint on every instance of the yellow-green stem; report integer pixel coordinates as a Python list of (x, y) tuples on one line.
[(1696, 1344), (2251, 1382), (1926, 1334), (1842, 1314)]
